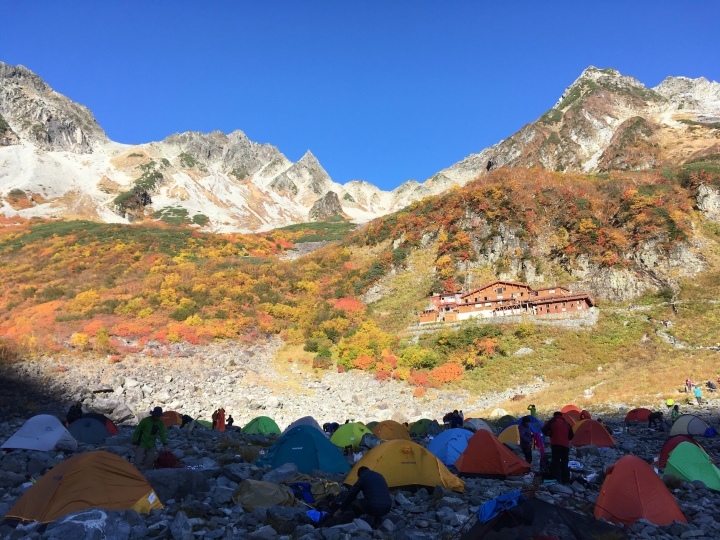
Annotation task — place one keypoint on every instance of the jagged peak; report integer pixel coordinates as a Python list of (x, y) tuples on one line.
[(308, 159), (607, 77)]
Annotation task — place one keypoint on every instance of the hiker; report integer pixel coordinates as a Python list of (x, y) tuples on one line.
[(455, 420), (675, 413), (75, 413), (560, 433), (533, 410), (688, 385), (143, 441), (221, 419), (462, 416), (655, 418), (698, 395), (526, 438), (186, 419), (376, 499), (230, 421)]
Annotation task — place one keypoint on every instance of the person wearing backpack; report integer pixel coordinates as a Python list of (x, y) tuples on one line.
[(144, 437), (560, 433)]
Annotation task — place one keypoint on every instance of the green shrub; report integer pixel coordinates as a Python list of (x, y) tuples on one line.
[(200, 219), (51, 293)]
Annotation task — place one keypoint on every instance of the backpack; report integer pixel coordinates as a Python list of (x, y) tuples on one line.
[(166, 460), (302, 490)]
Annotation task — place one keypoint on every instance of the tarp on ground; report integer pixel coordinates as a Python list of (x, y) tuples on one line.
[(485, 456), (448, 445), (535, 518), (252, 494), (91, 480), (589, 432), (671, 444), (349, 435), (304, 421), (42, 432), (690, 463), (390, 429), (633, 491), (689, 424), (405, 463), (419, 428), (261, 425), (88, 431), (307, 448)]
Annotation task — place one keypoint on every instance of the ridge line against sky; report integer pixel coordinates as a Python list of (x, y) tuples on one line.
[(382, 92)]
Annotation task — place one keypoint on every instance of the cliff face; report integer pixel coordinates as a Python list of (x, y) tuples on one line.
[(326, 207)]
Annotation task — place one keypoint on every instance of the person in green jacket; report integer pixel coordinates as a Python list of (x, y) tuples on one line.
[(674, 413), (144, 438), (533, 410)]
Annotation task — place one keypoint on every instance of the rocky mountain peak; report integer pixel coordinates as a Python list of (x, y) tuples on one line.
[(326, 207)]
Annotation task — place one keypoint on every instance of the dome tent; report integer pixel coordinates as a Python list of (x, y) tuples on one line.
[(405, 463), (448, 446), (689, 424), (511, 434), (42, 432), (419, 428), (638, 415), (389, 430), (261, 425), (487, 457), (307, 448), (304, 421), (111, 427), (171, 418), (589, 432), (690, 463), (349, 435), (671, 444), (505, 421), (88, 431), (90, 480), (478, 423), (633, 491)]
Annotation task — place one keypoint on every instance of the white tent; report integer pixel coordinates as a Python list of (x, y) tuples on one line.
[(42, 432), (478, 423)]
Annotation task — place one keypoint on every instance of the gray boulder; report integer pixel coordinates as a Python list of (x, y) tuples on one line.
[(181, 528), (369, 441), (176, 483), (238, 472), (282, 474), (89, 525)]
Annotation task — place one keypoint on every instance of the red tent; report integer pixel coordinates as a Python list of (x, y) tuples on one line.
[(591, 432), (584, 415), (487, 457), (671, 444), (638, 415), (569, 419), (633, 491), (572, 410)]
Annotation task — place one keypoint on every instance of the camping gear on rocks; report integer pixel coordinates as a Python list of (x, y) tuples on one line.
[(91, 480), (42, 432), (405, 463), (633, 491), (88, 431), (252, 494)]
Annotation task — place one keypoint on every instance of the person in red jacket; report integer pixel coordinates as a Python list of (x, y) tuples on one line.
[(560, 433)]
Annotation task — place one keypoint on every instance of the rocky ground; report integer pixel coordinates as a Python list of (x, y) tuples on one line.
[(248, 382)]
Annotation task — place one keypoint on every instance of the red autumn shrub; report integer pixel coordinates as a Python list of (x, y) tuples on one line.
[(447, 373), (363, 362), (382, 375), (419, 392)]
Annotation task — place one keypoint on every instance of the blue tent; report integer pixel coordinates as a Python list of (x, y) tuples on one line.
[(307, 448), (88, 431), (535, 423), (448, 445)]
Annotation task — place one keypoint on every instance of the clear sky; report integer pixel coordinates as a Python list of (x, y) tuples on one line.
[(379, 91)]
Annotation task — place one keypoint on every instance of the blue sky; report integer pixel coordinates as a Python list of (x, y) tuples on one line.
[(378, 91)]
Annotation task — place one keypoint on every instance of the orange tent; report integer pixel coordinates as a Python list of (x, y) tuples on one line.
[(171, 418), (591, 432), (487, 457), (633, 491), (638, 415), (390, 430), (91, 480), (584, 415), (671, 444), (571, 408)]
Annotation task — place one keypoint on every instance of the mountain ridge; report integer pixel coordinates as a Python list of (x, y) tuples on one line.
[(54, 150)]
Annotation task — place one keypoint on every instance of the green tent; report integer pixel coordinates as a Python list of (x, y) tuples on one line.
[(307, 448), (349, 435), (419, 428), (690, 462), (505, 421), (371, 425), (262, 425), (205, 423)]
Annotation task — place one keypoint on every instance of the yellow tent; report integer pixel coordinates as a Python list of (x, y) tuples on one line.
[(91, 480), (389, 430), (510, 434), (405, 463)]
